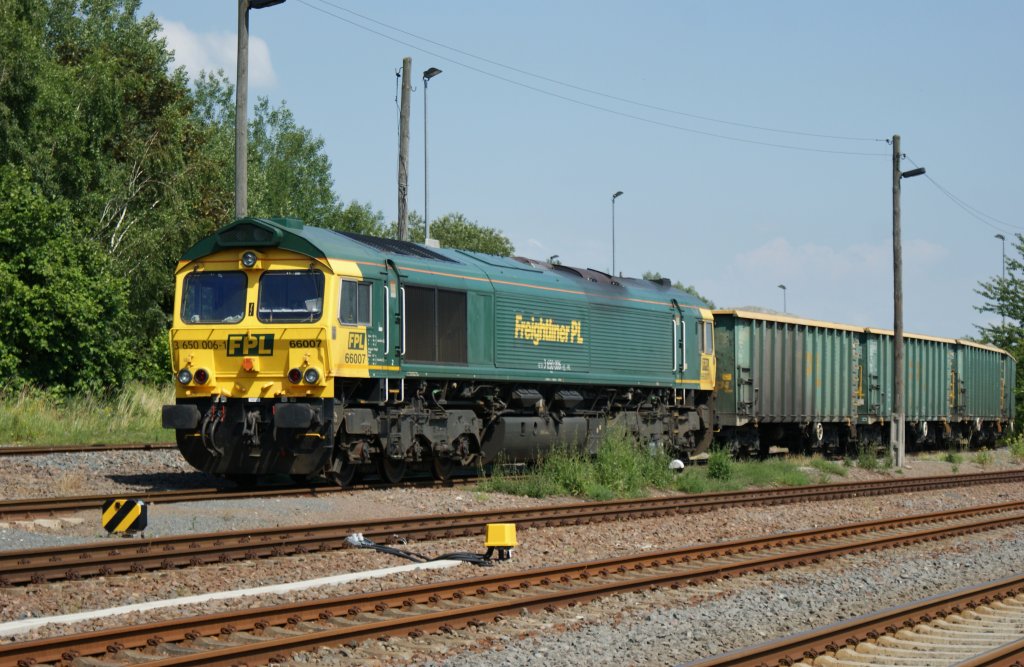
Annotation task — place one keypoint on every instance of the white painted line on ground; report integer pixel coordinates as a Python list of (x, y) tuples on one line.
[(14, 627)]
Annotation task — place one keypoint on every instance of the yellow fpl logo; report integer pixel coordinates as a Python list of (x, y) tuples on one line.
[(547, 330)]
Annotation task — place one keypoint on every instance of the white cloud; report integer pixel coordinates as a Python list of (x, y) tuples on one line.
[(212, 51)]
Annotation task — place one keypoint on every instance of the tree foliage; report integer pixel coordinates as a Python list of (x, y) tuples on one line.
[(689, 289), (1004, 298), (111, 166), (455, 230)]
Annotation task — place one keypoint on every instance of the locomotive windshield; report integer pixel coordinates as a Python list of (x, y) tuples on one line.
[(211, 297), (291, 296)]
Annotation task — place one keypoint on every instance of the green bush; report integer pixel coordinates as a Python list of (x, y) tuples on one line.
[(952, 456), (720, 465), (866, 458), (983, 457)]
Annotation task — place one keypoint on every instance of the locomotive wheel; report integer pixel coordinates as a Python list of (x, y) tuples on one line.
[(342, 472), (443, 468), (391, 470)]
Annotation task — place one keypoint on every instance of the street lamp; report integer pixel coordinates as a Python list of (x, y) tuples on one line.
[(897, 427), (427, 76), (1003, 239), (242, 103), (783, 288), (614, 197)]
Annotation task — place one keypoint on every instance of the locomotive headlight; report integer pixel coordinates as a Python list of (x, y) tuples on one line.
[(295, 376), (249, 259), (311, 376), (201, 376), (184, 376)]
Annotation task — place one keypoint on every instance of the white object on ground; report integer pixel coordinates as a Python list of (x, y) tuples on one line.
[(14, 627)]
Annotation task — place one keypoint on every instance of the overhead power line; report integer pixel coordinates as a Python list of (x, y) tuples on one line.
[(982, 217), (583, 103), (591, 91)]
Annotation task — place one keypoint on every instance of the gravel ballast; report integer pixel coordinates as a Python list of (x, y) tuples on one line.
[(655, 627)]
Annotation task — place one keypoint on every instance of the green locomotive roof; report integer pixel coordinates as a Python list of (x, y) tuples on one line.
[(319, 243)]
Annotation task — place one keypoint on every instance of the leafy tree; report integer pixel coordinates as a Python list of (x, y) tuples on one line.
[(65, 322), (1004, 297), (455, 230), (689, 289)]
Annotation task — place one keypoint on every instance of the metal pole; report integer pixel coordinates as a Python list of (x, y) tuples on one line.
[(1003, 283), (241, 120), (614, 197), (897, 431), (426, 196)]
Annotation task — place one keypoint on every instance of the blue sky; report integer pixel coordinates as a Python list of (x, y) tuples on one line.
[(733, 218)]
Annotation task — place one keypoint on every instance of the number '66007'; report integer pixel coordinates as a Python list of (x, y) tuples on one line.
[(304, 343)]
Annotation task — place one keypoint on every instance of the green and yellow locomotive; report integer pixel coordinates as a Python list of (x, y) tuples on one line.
[(303, 351)]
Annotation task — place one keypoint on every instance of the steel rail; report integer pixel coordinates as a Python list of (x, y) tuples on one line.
[(272, 633), (137, 555), (33, 507), (34, 450), (794, 649)]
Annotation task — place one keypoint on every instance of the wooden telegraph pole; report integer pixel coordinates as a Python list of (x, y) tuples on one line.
[(897, 428), (403, 151)]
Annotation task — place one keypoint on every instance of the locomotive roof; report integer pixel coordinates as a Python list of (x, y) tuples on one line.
[(324, 244)]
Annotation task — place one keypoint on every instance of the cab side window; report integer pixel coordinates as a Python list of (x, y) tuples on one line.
[(707, 337), (355, 302)]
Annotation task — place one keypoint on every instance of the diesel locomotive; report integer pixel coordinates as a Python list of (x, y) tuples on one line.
[(308, 352), (303, 351)]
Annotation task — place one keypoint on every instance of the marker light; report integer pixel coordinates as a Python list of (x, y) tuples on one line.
[(249, 259), (184, 376), (295, 376), (312, 376), (201, 376)]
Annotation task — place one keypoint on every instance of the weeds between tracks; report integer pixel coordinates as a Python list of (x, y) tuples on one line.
[(623, 470)]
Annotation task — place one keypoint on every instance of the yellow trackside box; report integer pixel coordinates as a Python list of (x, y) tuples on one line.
[(124, 515), (501, 535)]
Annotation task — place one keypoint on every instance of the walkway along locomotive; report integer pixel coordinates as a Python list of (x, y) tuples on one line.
[(304, 351)]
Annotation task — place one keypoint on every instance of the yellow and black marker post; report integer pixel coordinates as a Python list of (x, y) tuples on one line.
[(124, 515)]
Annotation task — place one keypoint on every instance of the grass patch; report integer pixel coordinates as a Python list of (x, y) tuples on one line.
[(1016, 447), (35, 418), (620, 470), (623, 470), (866, 458), (983, 457), (828, 467)]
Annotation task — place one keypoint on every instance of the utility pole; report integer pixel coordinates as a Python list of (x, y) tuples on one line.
[(242, 104), (241, 118), (403, 151), (897, 430)]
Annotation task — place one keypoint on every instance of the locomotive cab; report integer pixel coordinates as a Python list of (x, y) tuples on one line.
[(260, 332)]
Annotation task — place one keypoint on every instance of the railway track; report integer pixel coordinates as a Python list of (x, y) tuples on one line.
[(176, 551), (973, 627), (26, 508), (31, 450), (269, 634)]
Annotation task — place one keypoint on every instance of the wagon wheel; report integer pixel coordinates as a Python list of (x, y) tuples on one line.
[(391, 470)]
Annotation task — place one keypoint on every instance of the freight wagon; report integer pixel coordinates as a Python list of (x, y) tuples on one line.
[(826, 386)]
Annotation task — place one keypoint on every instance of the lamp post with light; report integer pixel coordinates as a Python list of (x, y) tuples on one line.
[(242, 103), (614, 197), (783, 288), (427, 76)]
